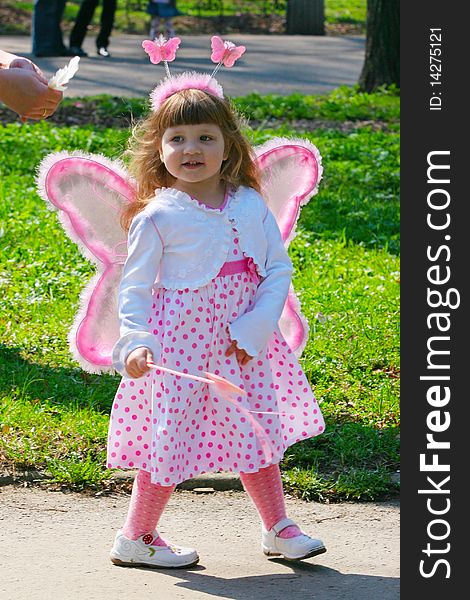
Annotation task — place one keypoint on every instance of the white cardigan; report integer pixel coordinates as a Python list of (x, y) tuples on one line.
[(178, 243)]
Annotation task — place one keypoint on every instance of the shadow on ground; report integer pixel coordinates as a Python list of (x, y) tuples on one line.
[(307, 581)]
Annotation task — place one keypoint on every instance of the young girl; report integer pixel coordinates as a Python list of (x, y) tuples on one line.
[(165, 10), (203, 288)]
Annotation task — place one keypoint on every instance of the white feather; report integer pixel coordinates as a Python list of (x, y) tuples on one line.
[(64, 75)]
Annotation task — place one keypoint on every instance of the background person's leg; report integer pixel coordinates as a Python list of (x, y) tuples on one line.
[(154, 25), (169, 29), (46, 31), (84, 17), (107, 22)]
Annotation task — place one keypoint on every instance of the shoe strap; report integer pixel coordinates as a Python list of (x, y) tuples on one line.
[(282, 524)]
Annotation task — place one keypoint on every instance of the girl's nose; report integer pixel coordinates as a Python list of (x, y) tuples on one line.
[(191, 146)]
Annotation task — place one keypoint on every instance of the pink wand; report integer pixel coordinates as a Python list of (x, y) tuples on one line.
[(222, 385), (226, 389)]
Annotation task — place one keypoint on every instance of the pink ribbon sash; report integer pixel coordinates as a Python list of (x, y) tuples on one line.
[(233, 267)]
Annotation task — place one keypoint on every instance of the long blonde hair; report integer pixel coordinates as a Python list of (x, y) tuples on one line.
[(187, 107)]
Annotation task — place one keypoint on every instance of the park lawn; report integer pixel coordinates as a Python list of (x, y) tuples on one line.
[(345, 104), (54, 417)]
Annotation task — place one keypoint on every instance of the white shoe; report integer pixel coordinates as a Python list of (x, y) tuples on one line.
[(140, 553), (295, 548), (102, 51)]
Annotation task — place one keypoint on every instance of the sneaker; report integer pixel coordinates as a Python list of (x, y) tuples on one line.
[(102, 51), (295, 548), (141, 553), (77, 51)]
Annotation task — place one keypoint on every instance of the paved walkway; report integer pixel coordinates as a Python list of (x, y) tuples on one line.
[(55, 546), (272, 64)]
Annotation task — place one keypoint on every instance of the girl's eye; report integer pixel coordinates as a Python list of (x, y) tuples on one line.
[(205, 138), (177, 138)]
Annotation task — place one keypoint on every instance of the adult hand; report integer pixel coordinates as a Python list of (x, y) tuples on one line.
[(136, 362), (25, 63), (25, 91), (243, 357)]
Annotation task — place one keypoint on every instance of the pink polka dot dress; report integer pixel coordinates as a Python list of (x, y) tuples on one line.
[(177, 428)]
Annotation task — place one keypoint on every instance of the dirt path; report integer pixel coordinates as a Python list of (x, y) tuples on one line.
[(55, 546)]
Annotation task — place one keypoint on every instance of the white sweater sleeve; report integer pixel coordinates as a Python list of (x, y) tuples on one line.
[(253, 329), (144, 253)]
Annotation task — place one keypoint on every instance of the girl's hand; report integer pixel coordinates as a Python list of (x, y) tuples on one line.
[(243, 357), (136, 362)]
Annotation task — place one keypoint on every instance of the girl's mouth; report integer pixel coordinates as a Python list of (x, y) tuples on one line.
[(192, 164)]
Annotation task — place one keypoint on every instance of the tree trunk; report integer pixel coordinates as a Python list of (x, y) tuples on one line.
[(382, 60)]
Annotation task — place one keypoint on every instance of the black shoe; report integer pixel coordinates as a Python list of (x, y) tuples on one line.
[(77, 51), (102, 51)]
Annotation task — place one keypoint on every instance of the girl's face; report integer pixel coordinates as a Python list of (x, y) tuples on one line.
[(194, 153)]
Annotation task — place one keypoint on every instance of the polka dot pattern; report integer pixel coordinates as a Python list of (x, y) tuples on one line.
[(176, 428)]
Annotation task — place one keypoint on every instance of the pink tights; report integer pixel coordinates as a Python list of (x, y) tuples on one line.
[(265, 489), (148, 501)]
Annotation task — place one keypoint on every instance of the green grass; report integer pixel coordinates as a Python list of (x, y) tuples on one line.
[(54, 417), (346, 11), (343, 104)]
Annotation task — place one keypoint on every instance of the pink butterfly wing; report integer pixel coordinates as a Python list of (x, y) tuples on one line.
[(290, 172), (90, 192), (153, 50), (171, 47), (293, 325), (234, 55), (218, 49)]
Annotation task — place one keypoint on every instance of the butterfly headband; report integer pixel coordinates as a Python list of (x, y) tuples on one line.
[(162, 50)]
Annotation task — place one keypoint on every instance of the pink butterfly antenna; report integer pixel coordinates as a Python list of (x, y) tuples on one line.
[(224, 53), (162, 49)]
